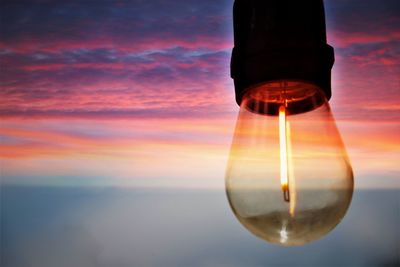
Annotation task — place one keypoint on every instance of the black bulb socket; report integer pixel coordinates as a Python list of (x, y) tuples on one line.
[(280, 40)]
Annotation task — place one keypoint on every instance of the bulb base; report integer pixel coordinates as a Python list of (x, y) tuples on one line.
[(297, 97)]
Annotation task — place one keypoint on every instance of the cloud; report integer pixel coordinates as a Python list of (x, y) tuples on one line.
[(362, 22), (123, 59), (166, 63), (137, 59), (137, 152), (107, 82), (133, 24)]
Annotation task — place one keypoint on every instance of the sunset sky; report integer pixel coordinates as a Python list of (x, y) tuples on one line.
[(138, 93)]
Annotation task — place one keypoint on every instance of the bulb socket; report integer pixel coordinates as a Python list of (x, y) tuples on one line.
[(280, 40)]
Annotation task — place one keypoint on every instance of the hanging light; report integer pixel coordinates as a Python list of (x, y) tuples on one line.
[(288, 180)]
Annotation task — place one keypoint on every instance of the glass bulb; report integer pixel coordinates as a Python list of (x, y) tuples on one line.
[(288, 178)]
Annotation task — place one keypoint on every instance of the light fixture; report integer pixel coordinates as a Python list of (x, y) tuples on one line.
[(288, 180)]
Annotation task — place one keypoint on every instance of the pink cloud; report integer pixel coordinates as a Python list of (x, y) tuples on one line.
[(150, 43), (342, 39)]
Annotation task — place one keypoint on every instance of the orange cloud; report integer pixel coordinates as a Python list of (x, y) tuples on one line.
[(149, 149)]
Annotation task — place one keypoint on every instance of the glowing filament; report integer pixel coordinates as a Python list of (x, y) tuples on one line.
[(283, 153), (286, 163)]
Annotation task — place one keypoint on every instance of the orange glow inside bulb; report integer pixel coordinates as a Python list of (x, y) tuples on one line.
[(288, 178)]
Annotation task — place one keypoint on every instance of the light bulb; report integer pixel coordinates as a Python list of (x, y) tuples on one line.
[(288, 178)]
